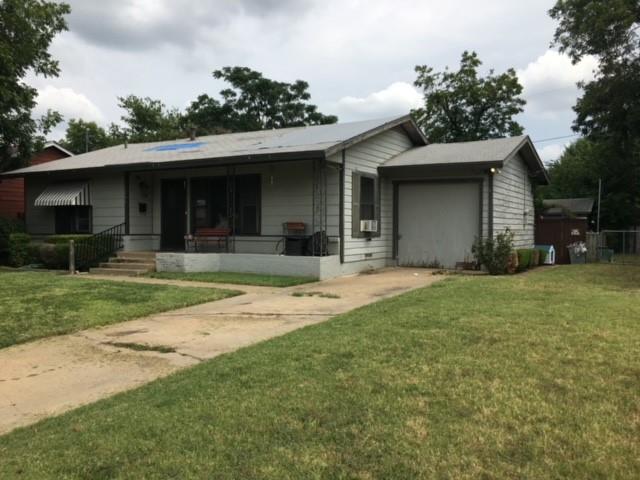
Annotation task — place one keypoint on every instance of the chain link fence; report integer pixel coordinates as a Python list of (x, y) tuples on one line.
[(614, 246)]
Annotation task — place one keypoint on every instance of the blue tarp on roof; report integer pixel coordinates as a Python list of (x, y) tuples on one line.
[(175, 146)]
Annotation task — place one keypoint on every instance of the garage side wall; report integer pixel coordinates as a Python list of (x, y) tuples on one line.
[(513, 202), (366, 157)]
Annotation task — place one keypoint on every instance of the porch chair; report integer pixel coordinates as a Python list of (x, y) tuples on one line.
[(206, 236)]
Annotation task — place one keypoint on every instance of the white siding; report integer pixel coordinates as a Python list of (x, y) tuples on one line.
[(107, 200), (366, 157), (286, 196), (38, 220), (513, 202)]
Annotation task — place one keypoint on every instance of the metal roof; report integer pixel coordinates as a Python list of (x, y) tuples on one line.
[(576, 206), (297, 142), (493, 152)]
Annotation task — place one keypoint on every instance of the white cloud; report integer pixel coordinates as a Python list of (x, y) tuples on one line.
[(551, 153), (550, 82), (397, 98), (68, 102)]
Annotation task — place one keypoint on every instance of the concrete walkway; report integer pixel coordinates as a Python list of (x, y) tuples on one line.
[(50, 376)]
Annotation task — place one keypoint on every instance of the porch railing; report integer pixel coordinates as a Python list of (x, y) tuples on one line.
[(90, 251)]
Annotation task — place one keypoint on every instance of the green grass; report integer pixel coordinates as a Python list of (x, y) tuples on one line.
[(236, 278), (533, 376), (36, 304)]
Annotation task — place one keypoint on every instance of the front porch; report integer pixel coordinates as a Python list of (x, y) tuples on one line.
[(249, 209)]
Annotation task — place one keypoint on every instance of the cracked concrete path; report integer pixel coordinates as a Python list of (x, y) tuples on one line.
[(50, 376)]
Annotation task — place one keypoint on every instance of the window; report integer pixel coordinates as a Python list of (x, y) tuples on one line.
[(367, 198), (365, 203), (210, 205), (76, 219)]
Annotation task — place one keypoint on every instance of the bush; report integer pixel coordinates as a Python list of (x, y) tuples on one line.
[(19, 253), (493, 254), (64, 239), (55, 256), (7, 227)]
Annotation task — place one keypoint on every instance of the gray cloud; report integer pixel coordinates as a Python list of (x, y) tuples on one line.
[(145, 24), (357, 55)]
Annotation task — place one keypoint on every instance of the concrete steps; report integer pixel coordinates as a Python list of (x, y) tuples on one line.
[(127, 264)]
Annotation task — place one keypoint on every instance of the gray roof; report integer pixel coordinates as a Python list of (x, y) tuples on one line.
[(265, 145), (485, 151), (493, 152), (576, 206)]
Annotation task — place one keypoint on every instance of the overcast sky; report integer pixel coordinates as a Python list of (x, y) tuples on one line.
[(357, 55)]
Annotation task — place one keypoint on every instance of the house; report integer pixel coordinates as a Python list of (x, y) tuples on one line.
[(362, 195), (12, 190), (563, 221)]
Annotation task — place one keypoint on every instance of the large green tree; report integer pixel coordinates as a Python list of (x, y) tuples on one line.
[(608, 112), (27, 28), (463, 106), (82, 136), (255, 102), (149, 120)]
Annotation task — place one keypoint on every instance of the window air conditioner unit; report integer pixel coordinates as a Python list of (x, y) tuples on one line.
[(368, 225)]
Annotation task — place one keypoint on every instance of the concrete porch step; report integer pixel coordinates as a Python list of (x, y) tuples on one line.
[(117, 271), (149, 256), (129, 265)]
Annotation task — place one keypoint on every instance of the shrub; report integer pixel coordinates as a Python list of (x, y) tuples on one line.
[(55, 256), (512, 266), (7, 227), (19, 253), (493, 254), (64, 239)]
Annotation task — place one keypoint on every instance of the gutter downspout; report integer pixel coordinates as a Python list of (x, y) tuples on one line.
[(341, 204), (490, 212)]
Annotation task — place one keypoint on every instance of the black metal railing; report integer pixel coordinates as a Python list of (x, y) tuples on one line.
[(90, 251)]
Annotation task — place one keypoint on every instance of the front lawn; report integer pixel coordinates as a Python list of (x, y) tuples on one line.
[(531, 376), (38, 304), (236, 278)]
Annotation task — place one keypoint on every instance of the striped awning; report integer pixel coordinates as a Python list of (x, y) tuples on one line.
[(64, 194)]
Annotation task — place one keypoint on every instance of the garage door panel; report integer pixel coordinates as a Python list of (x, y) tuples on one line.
[(437, 222)]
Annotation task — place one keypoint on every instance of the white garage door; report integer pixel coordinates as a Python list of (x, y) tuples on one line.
[(437, 222)]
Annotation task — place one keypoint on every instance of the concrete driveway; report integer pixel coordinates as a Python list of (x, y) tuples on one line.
[(47, 377)]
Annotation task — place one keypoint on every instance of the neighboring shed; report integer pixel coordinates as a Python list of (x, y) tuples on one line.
[(12, 190), (562, 222)]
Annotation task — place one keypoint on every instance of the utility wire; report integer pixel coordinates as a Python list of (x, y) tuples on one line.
[(556, 138)]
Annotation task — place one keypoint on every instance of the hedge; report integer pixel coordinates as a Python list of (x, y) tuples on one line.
[(65, 239), (7, 227), (18, 249)]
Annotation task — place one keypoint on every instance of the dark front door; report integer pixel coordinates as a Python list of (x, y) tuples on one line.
[(174, 213)]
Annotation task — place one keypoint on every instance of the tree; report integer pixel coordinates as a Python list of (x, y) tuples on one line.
[(462, 106), (256, 103), (608, 112), (82, 136), (149, 120), (27, 28), (208, 116)]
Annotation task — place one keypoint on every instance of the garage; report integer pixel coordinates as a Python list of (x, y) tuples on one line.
[(437, 222)]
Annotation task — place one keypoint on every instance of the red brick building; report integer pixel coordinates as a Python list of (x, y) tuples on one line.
[(12, 190)]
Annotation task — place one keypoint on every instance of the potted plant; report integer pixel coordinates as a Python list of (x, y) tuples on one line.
[(577, 252)]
